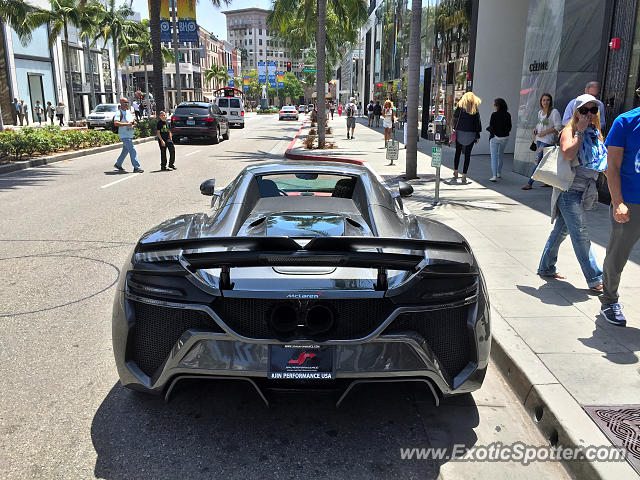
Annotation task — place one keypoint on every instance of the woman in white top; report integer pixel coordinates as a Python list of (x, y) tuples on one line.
[(548, 126), (388, 116)]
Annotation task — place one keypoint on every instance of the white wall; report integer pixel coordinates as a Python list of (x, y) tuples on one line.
[(502, 25)]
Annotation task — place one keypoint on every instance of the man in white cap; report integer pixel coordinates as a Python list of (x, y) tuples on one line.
[(351, 117), (592, 88), (623, 178)]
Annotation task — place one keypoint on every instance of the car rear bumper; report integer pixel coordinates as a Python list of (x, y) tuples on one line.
[(193, 131), (288, 116), (202, 347)]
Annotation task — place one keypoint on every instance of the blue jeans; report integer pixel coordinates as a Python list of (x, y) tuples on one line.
[(497, 146), (127, 147), (539, 153), (571, 221)]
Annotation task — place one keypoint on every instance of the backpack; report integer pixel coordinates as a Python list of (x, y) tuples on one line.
[(350, 110)]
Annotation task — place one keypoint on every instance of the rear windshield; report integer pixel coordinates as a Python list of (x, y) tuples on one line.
[(106, 108), (306, 184), (235, 102), (223, 102), (192, 110)]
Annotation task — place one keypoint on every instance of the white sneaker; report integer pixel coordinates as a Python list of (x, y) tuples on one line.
[(493, 179)]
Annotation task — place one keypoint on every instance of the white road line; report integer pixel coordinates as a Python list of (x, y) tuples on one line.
[(121, 180), (192, 153)]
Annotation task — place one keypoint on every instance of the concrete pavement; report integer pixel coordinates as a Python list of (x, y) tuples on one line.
[(557, 352)]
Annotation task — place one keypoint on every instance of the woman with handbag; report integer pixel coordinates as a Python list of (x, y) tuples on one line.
[(467, 131), (581, 139), (549, 124), (499, 129)]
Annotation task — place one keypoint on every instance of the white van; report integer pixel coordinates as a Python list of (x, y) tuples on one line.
[(233, 109)]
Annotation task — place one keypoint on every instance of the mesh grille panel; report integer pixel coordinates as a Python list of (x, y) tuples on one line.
[(356, 318), (158, 328), (446, 334)]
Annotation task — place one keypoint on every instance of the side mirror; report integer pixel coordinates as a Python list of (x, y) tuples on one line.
[(405, 189), (208, 187)]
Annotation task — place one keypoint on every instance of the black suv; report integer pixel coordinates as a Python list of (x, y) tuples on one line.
[(199, 119)]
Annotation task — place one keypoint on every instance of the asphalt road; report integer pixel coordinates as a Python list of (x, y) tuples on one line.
[(65, 230)]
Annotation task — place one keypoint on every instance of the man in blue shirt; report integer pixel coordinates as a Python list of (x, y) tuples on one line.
[(623, 177), (125, 122)]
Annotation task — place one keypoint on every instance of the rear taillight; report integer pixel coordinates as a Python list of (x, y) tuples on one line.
[(174, 119), (242, 113), (281, 111), (208, 119)]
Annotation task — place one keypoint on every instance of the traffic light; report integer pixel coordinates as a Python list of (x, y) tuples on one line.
[(288, 66)]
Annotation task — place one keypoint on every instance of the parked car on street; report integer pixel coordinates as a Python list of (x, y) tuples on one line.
[(102, 116), (288, 113), (285, 283), (199, 119), (302, 108)]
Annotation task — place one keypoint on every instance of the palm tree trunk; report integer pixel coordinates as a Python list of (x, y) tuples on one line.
[(321, 74), (158, 87), (412, 90), (114, 40), (70, 99)]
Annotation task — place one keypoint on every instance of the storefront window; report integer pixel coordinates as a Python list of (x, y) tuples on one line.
[(631, 100)]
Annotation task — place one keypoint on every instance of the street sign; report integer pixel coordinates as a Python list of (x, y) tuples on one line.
[(436, 156), (392, 150), (309, 70)]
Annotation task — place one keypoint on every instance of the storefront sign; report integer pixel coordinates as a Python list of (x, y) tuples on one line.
[(538, 66)]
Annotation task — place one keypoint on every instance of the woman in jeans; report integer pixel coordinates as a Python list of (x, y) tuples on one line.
[(582, 144), (549, 123), (467, 126), (499, 128)]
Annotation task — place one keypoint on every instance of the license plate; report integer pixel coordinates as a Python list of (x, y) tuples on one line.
[(234, 113), (191, 122), (301, 362)]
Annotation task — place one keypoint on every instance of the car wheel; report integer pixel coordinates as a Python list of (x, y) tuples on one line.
[(90, 127), (226, 135), (216, 138)]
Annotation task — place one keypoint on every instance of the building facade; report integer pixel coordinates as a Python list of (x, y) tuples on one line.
[(247, 31)]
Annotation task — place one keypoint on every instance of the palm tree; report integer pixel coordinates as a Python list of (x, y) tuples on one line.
[(412, 90), (113, 25), (140, 44), (62, 14), (218, 73), (14, 12)]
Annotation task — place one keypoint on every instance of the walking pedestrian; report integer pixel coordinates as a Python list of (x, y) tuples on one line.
[(388, 119), (23, 113), (124, 121), (14, 111), (377, 112), (623, 178), (359, 109), (39, 111), (548, 126), (499, 129), (136, 109), (165, 141), (370, 108), (467, 127), (581, 139), (592, 88), (51, 111), (60, 113), (340, 109), (332, 108), (351, 117)]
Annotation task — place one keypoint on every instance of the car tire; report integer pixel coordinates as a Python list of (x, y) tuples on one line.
[(216, 137), (242, 125), (90, 127), (226, 135)]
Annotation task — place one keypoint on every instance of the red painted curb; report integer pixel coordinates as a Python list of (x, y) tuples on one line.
[(316, 158)]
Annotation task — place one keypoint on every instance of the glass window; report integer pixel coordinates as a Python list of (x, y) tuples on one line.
[(631, 100), (259, 31), (250, 41), (223, 102), (259, 41), (306, 184)]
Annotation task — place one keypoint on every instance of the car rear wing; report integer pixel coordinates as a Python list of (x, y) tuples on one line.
[(359, 252)]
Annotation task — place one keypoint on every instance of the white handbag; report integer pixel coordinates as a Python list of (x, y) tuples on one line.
[(554, 170)]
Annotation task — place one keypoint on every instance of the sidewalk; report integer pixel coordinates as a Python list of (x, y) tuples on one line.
[(549, 340)]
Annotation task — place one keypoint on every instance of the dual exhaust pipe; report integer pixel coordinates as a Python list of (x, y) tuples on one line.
[(285, 318)]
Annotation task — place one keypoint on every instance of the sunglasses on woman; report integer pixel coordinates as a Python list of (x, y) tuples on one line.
[(585, 110)]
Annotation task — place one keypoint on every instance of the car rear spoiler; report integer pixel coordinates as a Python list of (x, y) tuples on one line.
[(319, 251)]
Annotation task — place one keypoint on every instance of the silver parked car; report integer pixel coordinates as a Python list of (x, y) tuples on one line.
[(288, 113), (102, 116)]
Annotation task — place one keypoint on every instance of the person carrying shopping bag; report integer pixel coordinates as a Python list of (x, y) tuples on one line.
[(581, 139)]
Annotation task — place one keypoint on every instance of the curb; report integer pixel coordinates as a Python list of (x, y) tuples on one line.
[(317, 158), (558, 416), (37, 162)]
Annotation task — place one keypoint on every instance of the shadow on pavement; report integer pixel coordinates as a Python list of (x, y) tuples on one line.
[(214, 429), (31, 177), (603, 334)]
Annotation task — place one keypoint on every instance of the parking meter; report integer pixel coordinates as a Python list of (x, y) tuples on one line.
[(440, 136)]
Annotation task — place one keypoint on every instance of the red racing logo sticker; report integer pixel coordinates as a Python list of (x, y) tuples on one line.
[(302, 358)]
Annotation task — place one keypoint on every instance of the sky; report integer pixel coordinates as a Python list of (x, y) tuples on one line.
[(209, 17)]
